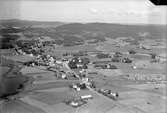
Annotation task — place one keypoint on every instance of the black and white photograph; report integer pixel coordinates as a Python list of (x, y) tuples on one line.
[(83, 56)]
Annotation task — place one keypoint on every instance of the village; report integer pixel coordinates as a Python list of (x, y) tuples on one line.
[(86, 78)]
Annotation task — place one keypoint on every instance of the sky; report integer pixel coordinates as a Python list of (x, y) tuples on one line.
[(108, 11)]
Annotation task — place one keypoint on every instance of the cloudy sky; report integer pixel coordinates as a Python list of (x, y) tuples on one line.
[(110, 11)]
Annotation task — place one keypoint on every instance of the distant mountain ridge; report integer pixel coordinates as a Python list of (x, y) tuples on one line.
[(78, 33), (23, 23), (31, 22), (113, 30)]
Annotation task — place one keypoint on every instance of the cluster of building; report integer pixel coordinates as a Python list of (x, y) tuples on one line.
[(42, 60), (78, 62), (84, 84), (109, 93), (63, 68), (118, 57), (105, 66), (79, 101)]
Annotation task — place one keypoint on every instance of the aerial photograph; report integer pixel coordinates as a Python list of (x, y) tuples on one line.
[(83, 56)]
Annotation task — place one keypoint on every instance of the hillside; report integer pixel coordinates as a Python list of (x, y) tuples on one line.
[(78, 33), (113, 30), (26, 23)]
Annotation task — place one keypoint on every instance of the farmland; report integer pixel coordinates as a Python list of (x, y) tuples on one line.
[(139, 77)]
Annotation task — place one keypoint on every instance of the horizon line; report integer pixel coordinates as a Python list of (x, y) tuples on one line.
[(121, 23)]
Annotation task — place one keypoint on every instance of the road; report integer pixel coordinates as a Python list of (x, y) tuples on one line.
[(128, 109)]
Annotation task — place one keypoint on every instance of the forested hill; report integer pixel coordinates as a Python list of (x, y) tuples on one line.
[(77, 33)]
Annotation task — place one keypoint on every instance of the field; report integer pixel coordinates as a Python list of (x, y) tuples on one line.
[(141, 85)]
